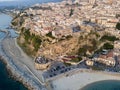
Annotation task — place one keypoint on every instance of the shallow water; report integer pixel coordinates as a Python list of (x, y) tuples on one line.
[(4, 24), (2, 35)]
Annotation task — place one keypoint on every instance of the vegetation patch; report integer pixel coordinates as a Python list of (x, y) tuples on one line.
[(82, 51), (76, 59), (14, 23), (71, 12), (26, 48), (118, 26), (67, 64), (109, 38), (108, 46), (36, 41), (31, 39), (50, 35)]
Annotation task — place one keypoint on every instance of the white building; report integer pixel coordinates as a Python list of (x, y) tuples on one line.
[(92, 1)]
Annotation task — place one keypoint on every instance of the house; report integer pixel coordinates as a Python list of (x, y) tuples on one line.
[(117, 44), (73, 60), (107, 59), (58, 33)]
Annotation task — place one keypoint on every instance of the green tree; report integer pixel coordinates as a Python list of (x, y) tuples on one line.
[(71, 12), (82, 51), (108, 46), (118, 26), (109, 38), (36, 42), (50, 35), (27, 35)]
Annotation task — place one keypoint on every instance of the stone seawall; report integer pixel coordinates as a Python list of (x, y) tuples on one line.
[(16, 76)]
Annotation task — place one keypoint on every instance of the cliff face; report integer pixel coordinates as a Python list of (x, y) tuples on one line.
[(78, 44), (68, 46)]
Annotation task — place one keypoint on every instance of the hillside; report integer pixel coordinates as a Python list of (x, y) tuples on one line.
[(51, 39)]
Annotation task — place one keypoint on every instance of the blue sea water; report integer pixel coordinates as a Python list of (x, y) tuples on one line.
[(6, 82), (103, 85), (4, 21)]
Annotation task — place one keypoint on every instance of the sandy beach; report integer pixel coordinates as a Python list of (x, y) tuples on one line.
[(81, 78)]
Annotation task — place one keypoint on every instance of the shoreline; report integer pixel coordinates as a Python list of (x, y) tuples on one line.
[(15, 75), (29, 87), (13, 67), (81, 78), (100, 82)]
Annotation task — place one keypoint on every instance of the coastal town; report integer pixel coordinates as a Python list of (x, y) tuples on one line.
[(75, 19), (67, 37)]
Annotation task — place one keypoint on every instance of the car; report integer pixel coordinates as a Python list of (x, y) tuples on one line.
[(62, 71), (69, 68), (54, 69), (51, 75), (51, 70), (66, 70), (55, 74), (63, 66)]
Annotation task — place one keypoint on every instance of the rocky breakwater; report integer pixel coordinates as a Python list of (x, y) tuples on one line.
[(18, 70)]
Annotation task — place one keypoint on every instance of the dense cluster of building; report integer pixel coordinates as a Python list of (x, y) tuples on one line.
[(107, 59), (68, 14), (110, 58)]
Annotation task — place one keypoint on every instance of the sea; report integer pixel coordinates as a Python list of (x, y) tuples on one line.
[(8, 83), (103, 85)]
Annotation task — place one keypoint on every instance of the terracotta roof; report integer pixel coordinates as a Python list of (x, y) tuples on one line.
[(110, 54), (102, 56)]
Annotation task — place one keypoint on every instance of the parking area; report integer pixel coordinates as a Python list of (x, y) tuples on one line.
[(56, 69)]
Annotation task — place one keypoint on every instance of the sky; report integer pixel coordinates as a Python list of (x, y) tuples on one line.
[(23, 2), (8, 0)]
